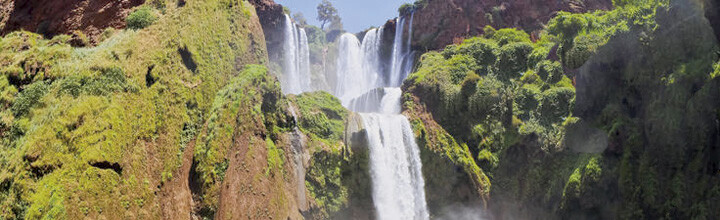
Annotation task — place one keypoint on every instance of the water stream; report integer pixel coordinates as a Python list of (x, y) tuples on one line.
[(296, 54), (364, 87), (395, 166)]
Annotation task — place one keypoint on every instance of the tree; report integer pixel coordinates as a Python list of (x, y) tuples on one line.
[(336, 23), (300, 19), (326, 13)]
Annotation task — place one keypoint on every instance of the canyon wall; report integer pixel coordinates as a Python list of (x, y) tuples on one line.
[(442, 22)]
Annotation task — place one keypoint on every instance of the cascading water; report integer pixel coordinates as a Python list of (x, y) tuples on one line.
[(395, 167), (296, 66), (401, 55), (358, 66)]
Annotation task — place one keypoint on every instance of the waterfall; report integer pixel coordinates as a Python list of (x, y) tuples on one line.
[(395, 166), (349, 68), (297, 141), (401, 54), (358, 66), (296, 65), (397, 52)]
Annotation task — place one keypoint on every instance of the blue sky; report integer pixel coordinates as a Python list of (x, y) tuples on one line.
[(357, 15)]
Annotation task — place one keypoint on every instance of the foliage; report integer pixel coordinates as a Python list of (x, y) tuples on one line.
[(69, 112), (512, 60), (29, 98), (326, 13), (25, 57), (315, 35), (647, 95), (140, 18), (300, 20), (322, 115)]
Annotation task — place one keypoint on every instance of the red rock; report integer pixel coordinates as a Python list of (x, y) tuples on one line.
[(55, 17), (441, 22)]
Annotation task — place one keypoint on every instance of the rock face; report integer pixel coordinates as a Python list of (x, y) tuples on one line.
[(271, 18), (440, 23), (51, 18)]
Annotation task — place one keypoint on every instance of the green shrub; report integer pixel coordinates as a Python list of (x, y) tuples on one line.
[(486, 99), (469, 85), (29, 97), (321, 115), (556, 103), (110, 80), (567, 25), (483, 50), (584, 47), (508, 35), (460, 66), (512, 60), (549, 71), (420, 4), (527, 100), (140, 18)]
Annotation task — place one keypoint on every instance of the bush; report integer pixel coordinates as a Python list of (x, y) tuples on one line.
[(315, 35), (549, 71), (29, 98), (512, 60), (158, 4), (556, 103), (109, 81), (483, 50), (140, 18), (508, 35), (567, 25), (584, 46), (459, 67)]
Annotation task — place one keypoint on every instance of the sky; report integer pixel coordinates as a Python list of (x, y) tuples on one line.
[(357, 15)]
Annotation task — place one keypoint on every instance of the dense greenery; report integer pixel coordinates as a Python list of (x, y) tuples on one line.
[(641, 80), (81, 125)]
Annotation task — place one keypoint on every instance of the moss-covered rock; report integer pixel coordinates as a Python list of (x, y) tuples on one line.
[(111, 121)]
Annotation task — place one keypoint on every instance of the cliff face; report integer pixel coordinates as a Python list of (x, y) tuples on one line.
[(633, 135), (51, 18), (271, 17), (121, 131), (439, 23)]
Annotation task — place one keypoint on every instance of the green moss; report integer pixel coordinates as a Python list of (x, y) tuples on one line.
[(321, 115), (324, 182), (275, 158), (235, 111), (75, 109)]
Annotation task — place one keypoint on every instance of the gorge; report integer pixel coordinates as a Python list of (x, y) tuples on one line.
[(451, 109)]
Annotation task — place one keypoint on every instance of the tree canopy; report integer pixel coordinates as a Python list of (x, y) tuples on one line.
[(326, 13)]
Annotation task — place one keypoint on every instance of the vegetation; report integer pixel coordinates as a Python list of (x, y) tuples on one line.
[(140, 18), (322, 118), (640, 81), (80, 125), (326, 13)]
